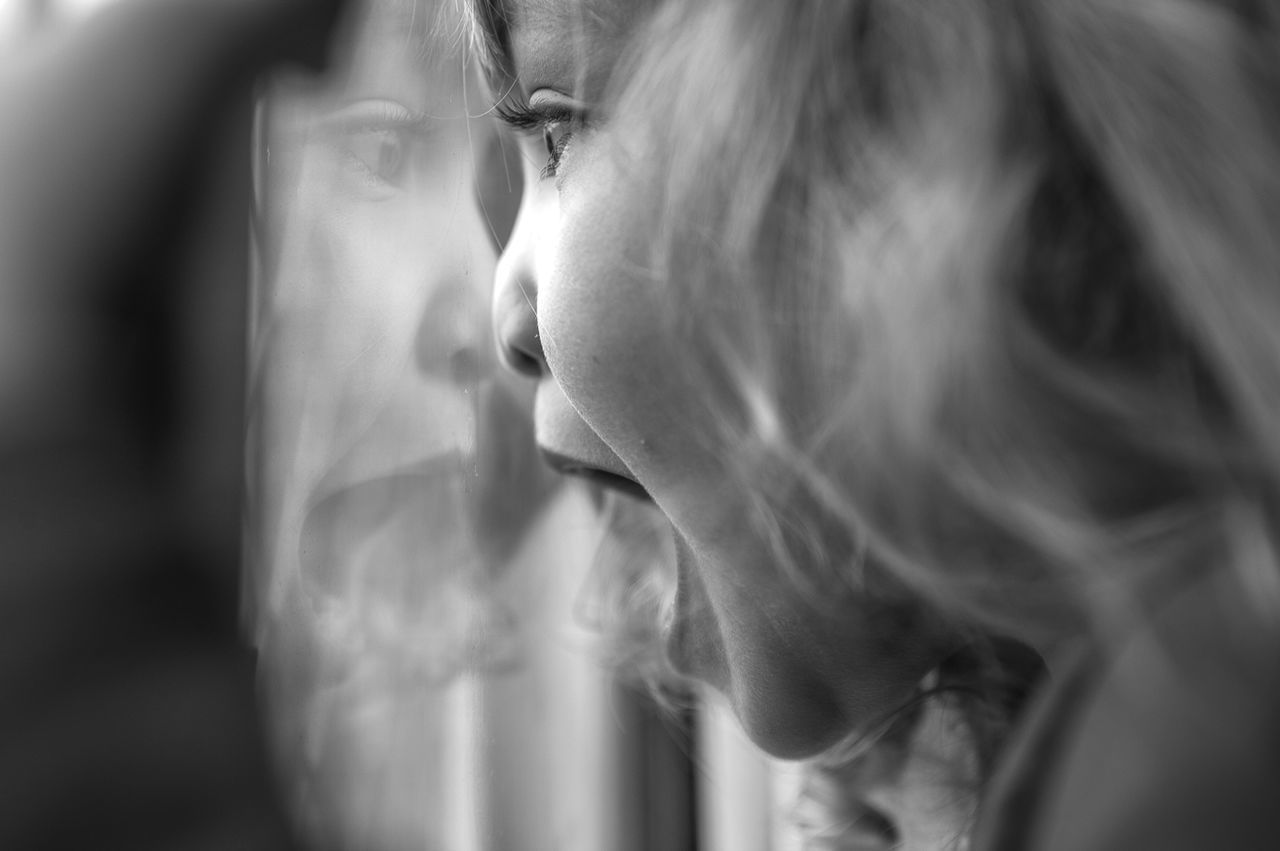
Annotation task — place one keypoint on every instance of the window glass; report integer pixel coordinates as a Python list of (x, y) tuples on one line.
[(433, 675)]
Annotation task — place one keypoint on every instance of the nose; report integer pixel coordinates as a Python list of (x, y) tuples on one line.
[(515, 306), (450, 343)]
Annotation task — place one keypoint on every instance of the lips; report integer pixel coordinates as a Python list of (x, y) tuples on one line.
[(407, 527), (404, 555), (571, 447), (395, 578), (621, 482)]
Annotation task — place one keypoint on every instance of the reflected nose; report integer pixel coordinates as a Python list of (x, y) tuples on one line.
[(451, 339), (515, 310)]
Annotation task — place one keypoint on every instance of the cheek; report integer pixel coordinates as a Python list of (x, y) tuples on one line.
[(594, 316), (607, 334), (798, 678)]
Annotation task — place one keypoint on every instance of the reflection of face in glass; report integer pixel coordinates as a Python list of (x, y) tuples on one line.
[(379, 358), (578, 308), (386, 431)]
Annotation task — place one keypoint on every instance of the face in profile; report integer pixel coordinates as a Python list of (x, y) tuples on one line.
[(580, 310)]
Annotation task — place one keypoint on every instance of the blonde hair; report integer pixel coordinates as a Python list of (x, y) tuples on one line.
[(986, 292), (991, 292)]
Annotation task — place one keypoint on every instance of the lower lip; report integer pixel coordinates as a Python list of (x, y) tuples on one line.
[(613, 482), (396, 581), (424, 508)]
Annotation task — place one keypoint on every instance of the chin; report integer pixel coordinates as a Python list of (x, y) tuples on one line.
[(798, 726)]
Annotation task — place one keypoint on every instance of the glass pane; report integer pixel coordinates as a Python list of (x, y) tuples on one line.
[(424, 586)]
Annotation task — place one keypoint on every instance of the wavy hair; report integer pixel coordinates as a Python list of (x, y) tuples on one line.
[(992, 296), (986, 291), (992, 285)]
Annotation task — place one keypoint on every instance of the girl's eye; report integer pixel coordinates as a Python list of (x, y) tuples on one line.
[(556, 136), (558, 125)]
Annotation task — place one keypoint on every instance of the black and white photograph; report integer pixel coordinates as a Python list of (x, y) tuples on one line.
[(640, 425)]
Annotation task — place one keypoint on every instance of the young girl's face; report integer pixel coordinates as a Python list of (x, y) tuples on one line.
[(575, 308)]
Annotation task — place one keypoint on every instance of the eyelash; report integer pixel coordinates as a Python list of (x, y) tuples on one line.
[(529, 121)]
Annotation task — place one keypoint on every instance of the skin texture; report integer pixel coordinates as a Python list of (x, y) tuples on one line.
[(575, 310)]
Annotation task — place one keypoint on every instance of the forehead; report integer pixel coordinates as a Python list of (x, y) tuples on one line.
[(424, 30), (403, 50), (570, 45)]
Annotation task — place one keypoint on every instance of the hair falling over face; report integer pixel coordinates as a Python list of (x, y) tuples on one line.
[(1024, 247), (1025, 341)]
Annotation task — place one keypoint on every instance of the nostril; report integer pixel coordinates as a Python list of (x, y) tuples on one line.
[(522, 363), (519, 343)]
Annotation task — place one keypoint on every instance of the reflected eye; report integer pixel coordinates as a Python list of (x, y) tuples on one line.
[(375, 141), (378, 152)]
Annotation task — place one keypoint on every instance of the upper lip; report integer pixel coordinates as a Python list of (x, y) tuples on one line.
[(617, 479)]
